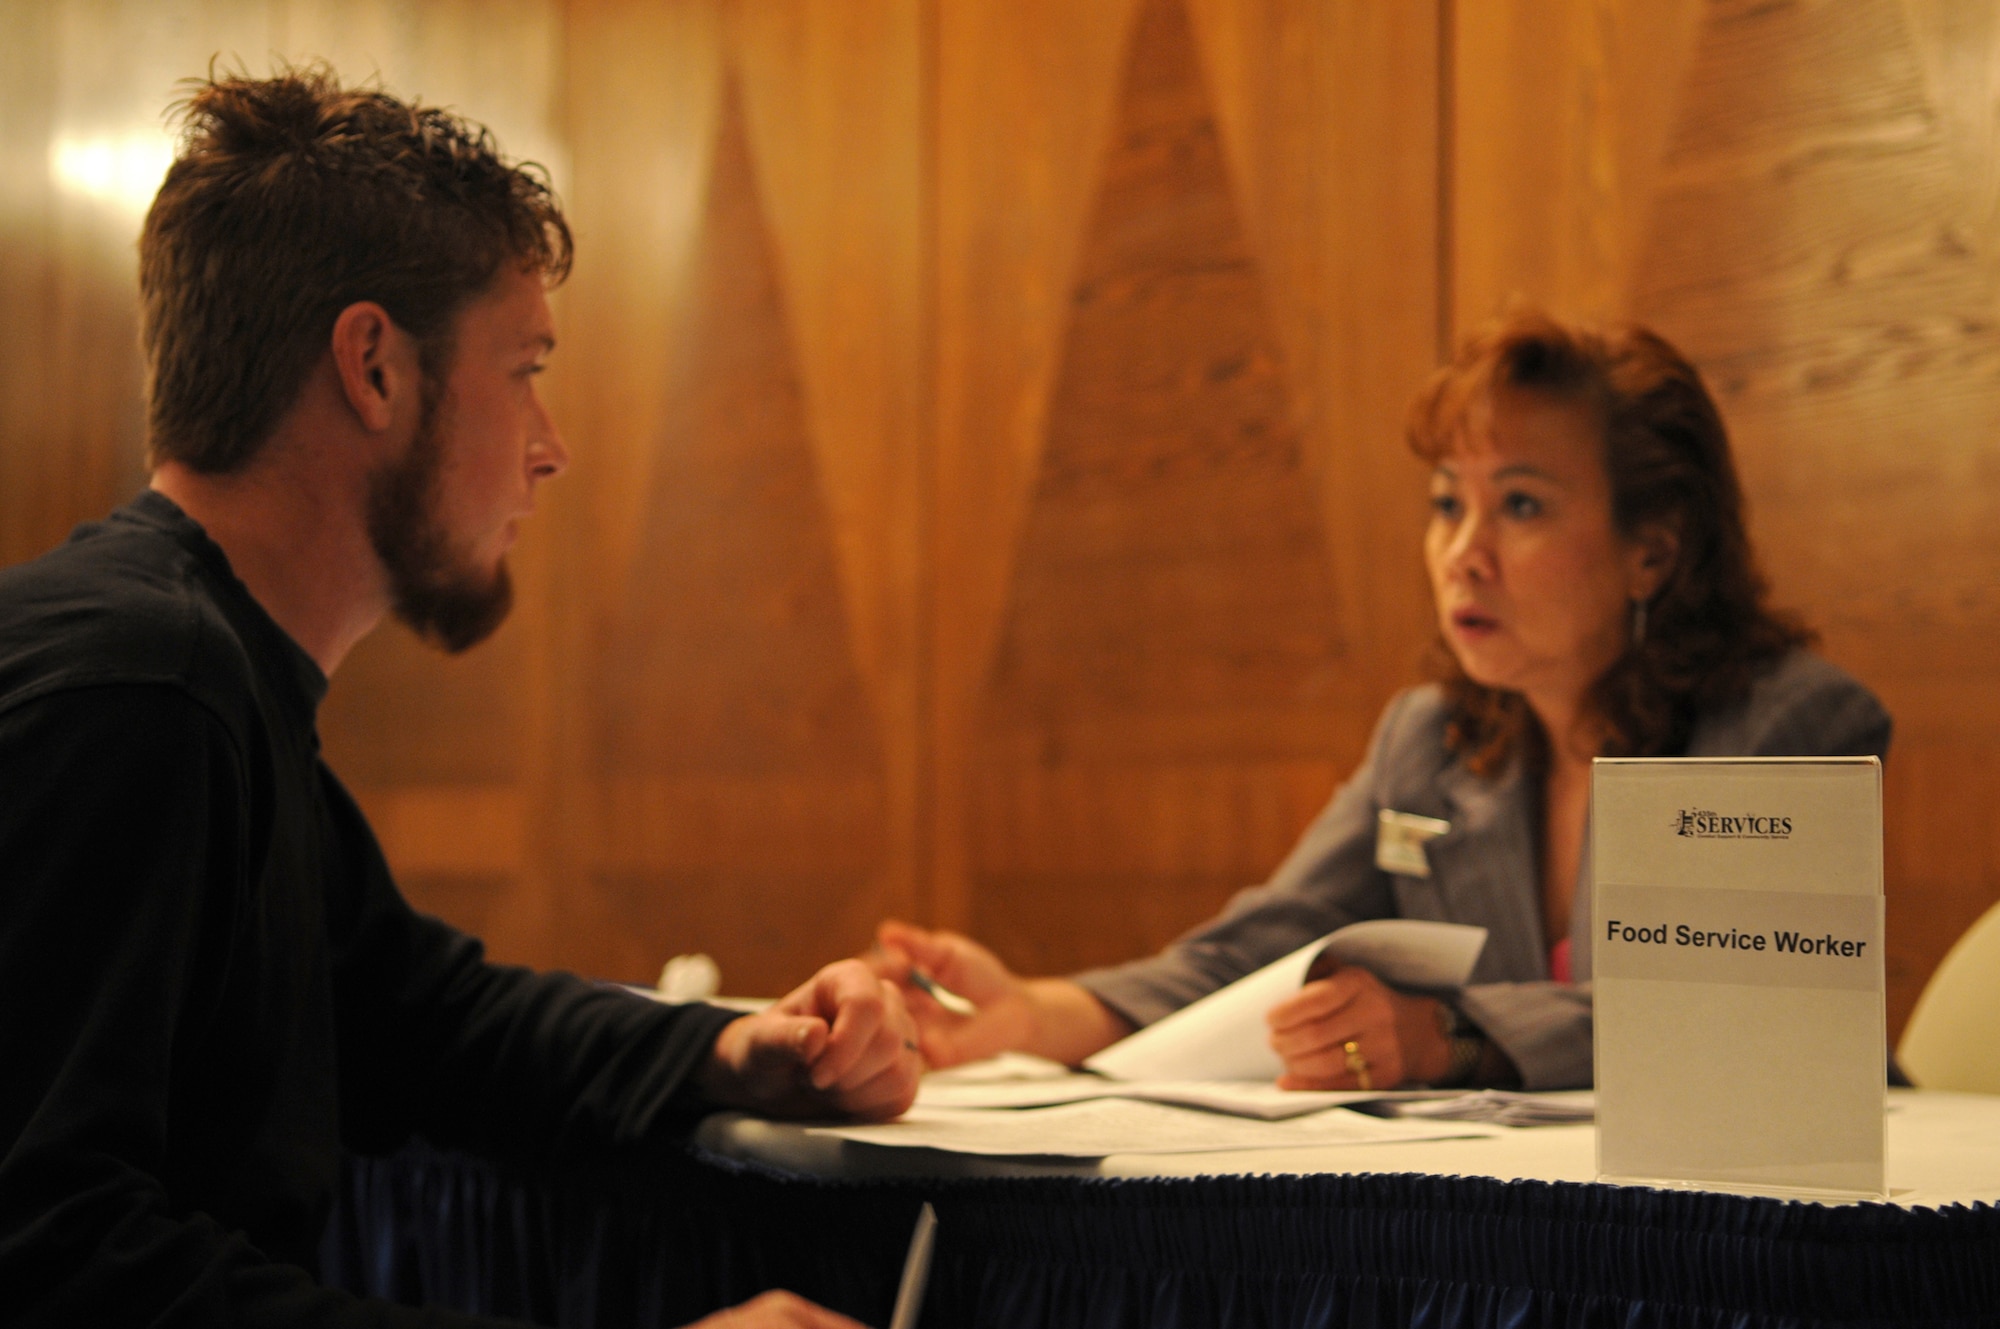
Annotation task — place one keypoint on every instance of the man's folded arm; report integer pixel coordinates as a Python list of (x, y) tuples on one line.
[(439, 1041), (435, 1040)]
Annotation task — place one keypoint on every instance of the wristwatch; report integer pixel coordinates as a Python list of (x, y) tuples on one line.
[(1467, 1042)]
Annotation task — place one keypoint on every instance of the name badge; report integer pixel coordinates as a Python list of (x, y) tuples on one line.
[(1400, 838)]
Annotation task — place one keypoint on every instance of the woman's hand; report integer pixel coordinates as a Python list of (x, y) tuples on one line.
[(1397, 1039), (1050, 1017), (1003, 1016)]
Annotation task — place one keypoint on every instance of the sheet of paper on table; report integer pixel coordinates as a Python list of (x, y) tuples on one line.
[(1260, 1099), (1223, 1036), (1098, 1127), (1502, 1107), (1001, 1066)]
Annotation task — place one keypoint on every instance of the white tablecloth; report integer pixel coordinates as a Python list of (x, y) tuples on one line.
[(1943, 1148)]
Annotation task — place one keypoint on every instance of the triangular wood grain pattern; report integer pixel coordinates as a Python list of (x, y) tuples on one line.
[(730, 655), (1818, 249), (1171, 568), (1807, 169), (1959, 41), (742, 810)]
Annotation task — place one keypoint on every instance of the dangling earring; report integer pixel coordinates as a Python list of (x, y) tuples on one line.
[(1639, 622)]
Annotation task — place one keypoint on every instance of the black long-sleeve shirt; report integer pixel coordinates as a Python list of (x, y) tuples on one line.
[(208, 980)]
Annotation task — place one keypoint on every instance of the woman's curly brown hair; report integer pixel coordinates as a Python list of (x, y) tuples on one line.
[(1709, 632), (291, 198)]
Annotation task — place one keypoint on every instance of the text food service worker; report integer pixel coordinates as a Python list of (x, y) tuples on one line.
[(209, 982), (1596, 594)]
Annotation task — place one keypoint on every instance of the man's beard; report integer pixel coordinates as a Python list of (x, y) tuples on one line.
[(436, 592)]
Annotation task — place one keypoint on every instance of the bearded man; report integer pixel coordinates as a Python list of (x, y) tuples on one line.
[(208, 981)]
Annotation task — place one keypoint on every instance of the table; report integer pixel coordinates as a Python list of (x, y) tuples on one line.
[(1476, 1232), (1942, 1149)]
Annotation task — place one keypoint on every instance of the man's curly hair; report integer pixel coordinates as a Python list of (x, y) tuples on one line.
[(291, 198)]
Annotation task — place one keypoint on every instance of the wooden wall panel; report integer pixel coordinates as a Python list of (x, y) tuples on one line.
[(1561, 116), (848, 184), (737, 768), (989, 499), (1025, 93), (1170, 603), (1165, 679), (1802, 197), (727, 713)]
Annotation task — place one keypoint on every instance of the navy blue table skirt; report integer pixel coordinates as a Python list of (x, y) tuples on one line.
[(661, 1238)]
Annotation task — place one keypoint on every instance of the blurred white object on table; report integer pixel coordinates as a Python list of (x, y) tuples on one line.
[(690, 978)]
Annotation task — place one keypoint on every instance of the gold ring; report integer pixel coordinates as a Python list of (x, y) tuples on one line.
[(1358, 1064)]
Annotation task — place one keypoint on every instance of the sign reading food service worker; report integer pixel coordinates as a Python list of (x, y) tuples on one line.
[(1736, 953)]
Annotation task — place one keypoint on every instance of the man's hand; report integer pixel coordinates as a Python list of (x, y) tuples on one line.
[(775, 1310), (1396, 1037), (842, 1044)]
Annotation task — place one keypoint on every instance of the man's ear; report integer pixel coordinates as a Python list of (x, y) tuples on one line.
[(1654, 552), (374, 361)]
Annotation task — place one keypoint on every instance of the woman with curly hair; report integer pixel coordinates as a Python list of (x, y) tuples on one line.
[(1596, 595)]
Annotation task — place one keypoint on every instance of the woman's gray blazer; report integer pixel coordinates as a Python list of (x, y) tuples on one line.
[(1484, 870)]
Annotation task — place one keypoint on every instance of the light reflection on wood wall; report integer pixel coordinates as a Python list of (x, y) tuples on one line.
[(989, 501)]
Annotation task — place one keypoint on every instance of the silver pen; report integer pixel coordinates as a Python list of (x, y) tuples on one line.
[(916, 1271), (941, 994)]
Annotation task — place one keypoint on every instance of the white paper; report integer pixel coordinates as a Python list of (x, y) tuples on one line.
[(1410, 952), (1736, 949), (1259, 1099), (1223, 1036), (999, 1094), (1121, 1126), (1505, 1108), (1262, 1099), (1001, 1067)]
